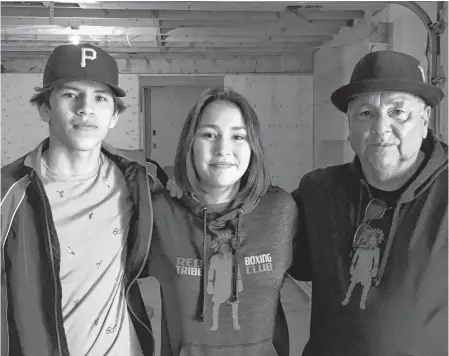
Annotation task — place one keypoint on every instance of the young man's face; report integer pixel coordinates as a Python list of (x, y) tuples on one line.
[(80, 114)]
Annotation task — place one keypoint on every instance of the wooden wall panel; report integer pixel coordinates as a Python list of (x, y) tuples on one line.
[(284, 105)]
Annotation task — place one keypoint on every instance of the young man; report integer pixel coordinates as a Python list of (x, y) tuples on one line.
[(373, 233), (76, 222)]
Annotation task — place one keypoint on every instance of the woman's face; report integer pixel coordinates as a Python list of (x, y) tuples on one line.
[(221, 151)]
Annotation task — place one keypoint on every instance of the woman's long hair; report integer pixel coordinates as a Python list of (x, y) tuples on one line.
[(254, 183)]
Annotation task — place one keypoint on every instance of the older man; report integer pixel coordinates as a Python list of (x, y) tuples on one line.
[(374, 232)]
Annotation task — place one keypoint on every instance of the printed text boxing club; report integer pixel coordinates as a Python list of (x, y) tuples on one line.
[(253, 264)]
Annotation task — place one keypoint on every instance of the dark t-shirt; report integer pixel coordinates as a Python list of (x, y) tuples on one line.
[(390, 198)]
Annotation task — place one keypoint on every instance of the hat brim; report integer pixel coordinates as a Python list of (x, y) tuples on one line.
[(115, 89), (343, 95)]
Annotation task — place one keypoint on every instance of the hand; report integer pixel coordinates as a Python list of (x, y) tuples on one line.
[(351, 270), (173, 188), (210, 288), (239, 285), (374, 272)]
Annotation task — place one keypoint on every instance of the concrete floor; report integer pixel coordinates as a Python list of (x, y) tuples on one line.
[(294, 301)]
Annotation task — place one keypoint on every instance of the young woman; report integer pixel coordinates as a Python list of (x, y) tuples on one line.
[(220, 252)]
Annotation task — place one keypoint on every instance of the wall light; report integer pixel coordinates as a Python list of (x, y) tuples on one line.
[(75, 39)]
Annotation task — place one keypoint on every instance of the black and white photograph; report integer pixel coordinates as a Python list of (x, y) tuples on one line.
[(224, 178)]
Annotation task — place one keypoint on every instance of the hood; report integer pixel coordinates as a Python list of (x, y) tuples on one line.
[(222, 228), (436, 162)]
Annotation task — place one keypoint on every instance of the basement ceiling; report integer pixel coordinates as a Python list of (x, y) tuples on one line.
[(150, 28)]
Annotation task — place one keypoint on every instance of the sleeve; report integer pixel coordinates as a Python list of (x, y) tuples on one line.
[(162, 177), (281, 338), (154, 259), (301, 267)]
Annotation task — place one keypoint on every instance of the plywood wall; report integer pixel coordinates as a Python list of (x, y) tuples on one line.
[(22, 128), (284, 105)]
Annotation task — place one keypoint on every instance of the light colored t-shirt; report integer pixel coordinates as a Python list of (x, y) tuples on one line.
[(91, 213)]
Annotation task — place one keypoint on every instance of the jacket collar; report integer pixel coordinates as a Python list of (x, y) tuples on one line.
[(123, 158)]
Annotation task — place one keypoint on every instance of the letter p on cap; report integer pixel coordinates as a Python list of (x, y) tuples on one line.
[(84, 55)]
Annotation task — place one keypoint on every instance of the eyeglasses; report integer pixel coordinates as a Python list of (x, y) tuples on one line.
[(375, 209)]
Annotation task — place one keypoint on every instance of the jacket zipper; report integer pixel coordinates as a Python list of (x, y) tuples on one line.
[(4, 272), (6, 292), (143, 265), (53, 270)]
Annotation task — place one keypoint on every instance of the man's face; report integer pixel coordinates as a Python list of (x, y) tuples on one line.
[(80, 114), (386, 130)]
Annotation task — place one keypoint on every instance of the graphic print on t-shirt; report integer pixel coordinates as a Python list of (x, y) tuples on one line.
[(219, 279), (365, 261), (91, 214)]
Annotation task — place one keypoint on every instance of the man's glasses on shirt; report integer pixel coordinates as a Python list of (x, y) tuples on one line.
[(375, 209), (367, 237)]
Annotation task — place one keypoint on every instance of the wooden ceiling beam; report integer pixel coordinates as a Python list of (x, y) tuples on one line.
[(225, 15), (35, 40), (18, 52), (68, 21), (218, 16), (342, 5), (327, 15), (291, 23), (176, 53), (48, 46), (252, 31), (249, 39), (93, 28), (142, 13), (37, 4), (49, 31), (191, 5)]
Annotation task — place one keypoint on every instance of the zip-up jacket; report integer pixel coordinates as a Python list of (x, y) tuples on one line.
[(32, 323), (407, 303)]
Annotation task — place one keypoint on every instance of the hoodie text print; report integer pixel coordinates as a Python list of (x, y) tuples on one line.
[(221, 273)]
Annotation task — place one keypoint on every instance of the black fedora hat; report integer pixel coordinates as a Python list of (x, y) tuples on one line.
[(387, 71)]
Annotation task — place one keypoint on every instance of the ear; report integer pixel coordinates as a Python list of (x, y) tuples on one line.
[(425, 117), (114, 121), (44, 113)]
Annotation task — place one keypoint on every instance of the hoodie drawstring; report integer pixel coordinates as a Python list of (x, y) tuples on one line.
[(203, 312), (235, 266)]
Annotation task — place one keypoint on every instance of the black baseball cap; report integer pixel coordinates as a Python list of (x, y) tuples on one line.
[(82, 62)]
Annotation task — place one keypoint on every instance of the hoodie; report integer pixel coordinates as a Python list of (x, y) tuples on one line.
[(406, 305), (221, 273)]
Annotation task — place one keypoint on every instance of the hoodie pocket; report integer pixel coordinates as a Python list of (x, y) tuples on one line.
[(265, 348)]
